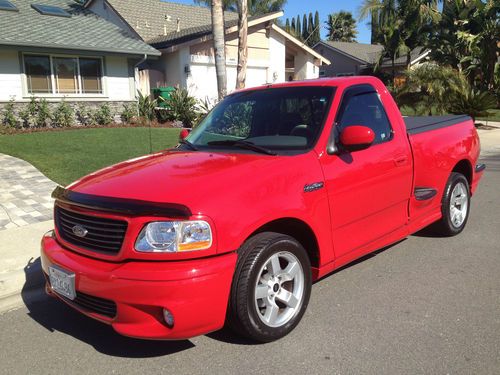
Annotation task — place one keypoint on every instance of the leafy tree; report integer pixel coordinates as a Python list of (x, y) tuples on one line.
[(317, 29), (409, 23), (310, 29), (304, 27), (298, 28), (467, 39), (341, 27), (287, 26)]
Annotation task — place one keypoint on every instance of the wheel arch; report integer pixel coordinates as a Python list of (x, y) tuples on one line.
[(464, 167), (297, 229)]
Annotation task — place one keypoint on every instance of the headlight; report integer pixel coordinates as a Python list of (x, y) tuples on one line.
[(174, 236)]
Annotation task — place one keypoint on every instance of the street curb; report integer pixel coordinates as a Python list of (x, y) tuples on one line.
[(17, 286)]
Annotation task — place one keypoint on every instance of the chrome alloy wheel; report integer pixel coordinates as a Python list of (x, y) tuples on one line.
[(458, 205), (279, 289)]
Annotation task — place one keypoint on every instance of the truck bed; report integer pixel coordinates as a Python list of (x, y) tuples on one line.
[(420, 124)]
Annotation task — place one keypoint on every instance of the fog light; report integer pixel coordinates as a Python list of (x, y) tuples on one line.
[(169, 318)]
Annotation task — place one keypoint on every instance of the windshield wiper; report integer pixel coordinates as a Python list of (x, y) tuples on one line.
[(189, 144), (242, 144)]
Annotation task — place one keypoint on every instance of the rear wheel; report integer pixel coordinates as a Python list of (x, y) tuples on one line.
[(271, 287), (455, 206)]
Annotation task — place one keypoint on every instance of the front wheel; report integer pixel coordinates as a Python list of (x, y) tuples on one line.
[(271, 287), (455, 206)]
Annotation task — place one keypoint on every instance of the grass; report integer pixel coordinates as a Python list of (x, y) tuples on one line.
[(495, 116), (65, 156)]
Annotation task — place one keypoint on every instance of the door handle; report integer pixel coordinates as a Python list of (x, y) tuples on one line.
[(400, 160)]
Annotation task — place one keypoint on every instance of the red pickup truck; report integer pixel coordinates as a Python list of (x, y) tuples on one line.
[(275, 188)]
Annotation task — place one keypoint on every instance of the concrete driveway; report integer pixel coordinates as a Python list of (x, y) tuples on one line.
[(423, 306)]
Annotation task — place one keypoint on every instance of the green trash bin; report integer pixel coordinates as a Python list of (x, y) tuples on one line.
[(165, 93)]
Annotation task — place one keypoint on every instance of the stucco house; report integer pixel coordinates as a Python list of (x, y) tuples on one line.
[(57, 49), (183, 35), (359, 58)]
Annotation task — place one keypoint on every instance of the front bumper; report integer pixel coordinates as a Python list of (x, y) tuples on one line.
[(195, 291)]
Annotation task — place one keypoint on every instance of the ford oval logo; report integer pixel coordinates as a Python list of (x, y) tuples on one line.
[(79, 231)]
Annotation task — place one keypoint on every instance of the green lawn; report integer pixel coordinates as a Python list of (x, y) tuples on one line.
[(64, 156)]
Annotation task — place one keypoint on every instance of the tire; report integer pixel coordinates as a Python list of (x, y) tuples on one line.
[(455, 206), (271, 287)]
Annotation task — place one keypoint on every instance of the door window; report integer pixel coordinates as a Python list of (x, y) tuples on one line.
[(362, 106)]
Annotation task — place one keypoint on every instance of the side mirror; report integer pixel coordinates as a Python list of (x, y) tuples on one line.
[(183, 134), (356, 137)]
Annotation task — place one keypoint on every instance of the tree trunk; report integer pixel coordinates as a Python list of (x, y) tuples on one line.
[(374, 28), (241, 72), (219, 47)]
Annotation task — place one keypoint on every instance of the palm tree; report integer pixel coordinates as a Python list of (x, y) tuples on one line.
[(408, 22), (230, 5), (254, 6), (429, 86), (219, 47), (381, 13), (265, 6), (341, 27), (241, 70)]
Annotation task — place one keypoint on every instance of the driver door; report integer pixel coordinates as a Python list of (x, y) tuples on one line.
[(368, 190)]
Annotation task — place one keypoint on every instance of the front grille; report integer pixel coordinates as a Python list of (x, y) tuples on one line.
[(93, 304), (103, 235)]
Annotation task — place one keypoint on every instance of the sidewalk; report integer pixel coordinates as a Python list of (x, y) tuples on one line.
[(490, 141), (25, 215), (20, 269)]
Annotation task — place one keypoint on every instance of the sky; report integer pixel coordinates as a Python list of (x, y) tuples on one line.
[(324, 7)]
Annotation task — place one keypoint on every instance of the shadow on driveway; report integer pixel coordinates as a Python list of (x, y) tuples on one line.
[(55, 315)]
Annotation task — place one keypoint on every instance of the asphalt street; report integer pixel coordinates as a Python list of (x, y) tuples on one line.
[(426, 305)]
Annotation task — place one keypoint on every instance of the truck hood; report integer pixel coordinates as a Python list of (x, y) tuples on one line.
[(186, 177)]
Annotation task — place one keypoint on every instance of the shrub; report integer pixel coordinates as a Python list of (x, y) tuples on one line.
[(103, 116), (429, 86), (129, 113), (44, 118), (473, 103), (146, 106), (36, 114), (9, 116), (85, 115), (64, 115), (28, 114), (183, 107)]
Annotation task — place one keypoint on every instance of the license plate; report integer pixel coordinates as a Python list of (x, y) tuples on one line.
[(62, 282)]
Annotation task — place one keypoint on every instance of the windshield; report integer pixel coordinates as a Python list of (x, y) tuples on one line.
[(288, 118)]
